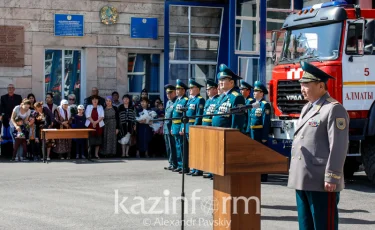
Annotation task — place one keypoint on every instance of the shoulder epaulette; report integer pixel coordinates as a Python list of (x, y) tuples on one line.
[(332, 101), (186, 98), (235, 93), (264, 102), (250, 99), (200, 97)]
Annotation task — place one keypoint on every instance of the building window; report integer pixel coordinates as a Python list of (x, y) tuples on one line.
[(144, 73), (247, 27), (248, 69), (62, 74), (194, 35)]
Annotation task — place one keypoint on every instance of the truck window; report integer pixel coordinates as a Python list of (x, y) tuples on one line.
[(354, 42), (312, 42)]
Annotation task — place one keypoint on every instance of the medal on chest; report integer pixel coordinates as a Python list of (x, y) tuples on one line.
[(258, 112), (314, 122), (192, 106)]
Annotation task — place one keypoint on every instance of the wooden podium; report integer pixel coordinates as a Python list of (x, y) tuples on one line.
[(237, 162)]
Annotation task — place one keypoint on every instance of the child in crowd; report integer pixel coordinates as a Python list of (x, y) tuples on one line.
[(20, 138), (33, 141), (79, 123)]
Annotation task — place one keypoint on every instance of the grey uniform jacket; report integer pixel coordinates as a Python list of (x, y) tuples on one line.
[(320, 146)]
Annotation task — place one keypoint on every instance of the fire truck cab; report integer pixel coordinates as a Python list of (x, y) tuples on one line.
[(338, 38)]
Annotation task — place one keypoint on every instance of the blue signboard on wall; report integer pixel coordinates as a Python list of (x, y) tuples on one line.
[(144, 28), (69, 25)]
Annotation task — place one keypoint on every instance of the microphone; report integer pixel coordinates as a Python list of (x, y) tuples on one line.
[(183, 109), (242, 108)]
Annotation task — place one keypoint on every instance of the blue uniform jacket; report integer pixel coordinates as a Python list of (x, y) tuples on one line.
[(248, 101), (168, 114), (195, 108), (225, 103), (260, 121), (176, 124), (209, 108)]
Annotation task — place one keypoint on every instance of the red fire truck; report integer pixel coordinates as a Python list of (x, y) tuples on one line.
[(337, 38)]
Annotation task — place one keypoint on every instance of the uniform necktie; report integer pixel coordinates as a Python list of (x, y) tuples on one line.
[(308, 109)]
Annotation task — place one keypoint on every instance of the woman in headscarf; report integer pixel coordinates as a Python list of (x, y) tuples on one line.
[(63, 120), (95, 115), (43, 120), (127, 122), (110, 128)]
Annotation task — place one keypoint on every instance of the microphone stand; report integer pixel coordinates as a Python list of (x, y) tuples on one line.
[(185, 119)]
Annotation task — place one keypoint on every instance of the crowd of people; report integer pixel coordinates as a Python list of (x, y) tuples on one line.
[(119, 131)]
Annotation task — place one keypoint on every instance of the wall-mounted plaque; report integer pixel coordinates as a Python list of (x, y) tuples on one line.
[(108, 15), (12, 50)]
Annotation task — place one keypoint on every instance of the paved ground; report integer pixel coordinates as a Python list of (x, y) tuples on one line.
[(82, 195)]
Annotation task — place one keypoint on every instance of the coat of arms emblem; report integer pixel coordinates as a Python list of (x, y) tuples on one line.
[(108, 15)]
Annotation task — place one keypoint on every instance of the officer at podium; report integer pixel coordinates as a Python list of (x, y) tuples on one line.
[(195, 107), (180, 103), (229, 99), (170, 143), (260, 117), (209, 108), (245, 91)]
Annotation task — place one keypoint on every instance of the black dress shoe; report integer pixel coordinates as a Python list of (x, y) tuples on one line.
[(212, 178), (264, 178), (183, 171), (197, 174), (207, 176), (171, 168), (190, 173), (167, 168), (177, 170)]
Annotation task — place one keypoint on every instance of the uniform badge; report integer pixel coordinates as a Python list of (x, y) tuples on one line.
[(201, 106), (314, 123), (267, 111), (340, 123), (192, 106)]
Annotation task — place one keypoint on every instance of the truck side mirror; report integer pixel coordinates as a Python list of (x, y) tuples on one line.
[(369, 37), (273, 44)]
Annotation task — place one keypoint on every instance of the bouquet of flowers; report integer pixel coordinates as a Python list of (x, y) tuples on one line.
[(147, 116), (20, 135), (125, 140)]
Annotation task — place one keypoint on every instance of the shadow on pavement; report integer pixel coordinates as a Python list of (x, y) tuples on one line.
[(295, 219), (294, 208)]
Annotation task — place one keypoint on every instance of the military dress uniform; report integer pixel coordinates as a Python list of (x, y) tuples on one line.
[(195, 107), (259, 118), (319, 150), (209, 108), (170, 142), (176, 125), (226, 101), (248, 101)]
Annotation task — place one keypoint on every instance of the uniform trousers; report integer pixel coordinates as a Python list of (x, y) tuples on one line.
[(179, 142), (317, 210), (170, 145)]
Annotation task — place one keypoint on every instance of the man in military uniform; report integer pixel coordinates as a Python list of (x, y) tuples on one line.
[(259, 119), (245, 91), (209, 108), (319, 150), (176, 129), (195, 107), (170, 142), (230, 98)]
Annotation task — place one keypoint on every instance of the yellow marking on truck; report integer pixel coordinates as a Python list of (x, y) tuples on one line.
[(359, 83)]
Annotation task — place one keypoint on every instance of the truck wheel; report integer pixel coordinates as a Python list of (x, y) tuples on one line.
[(368, 158), (351, 166)]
